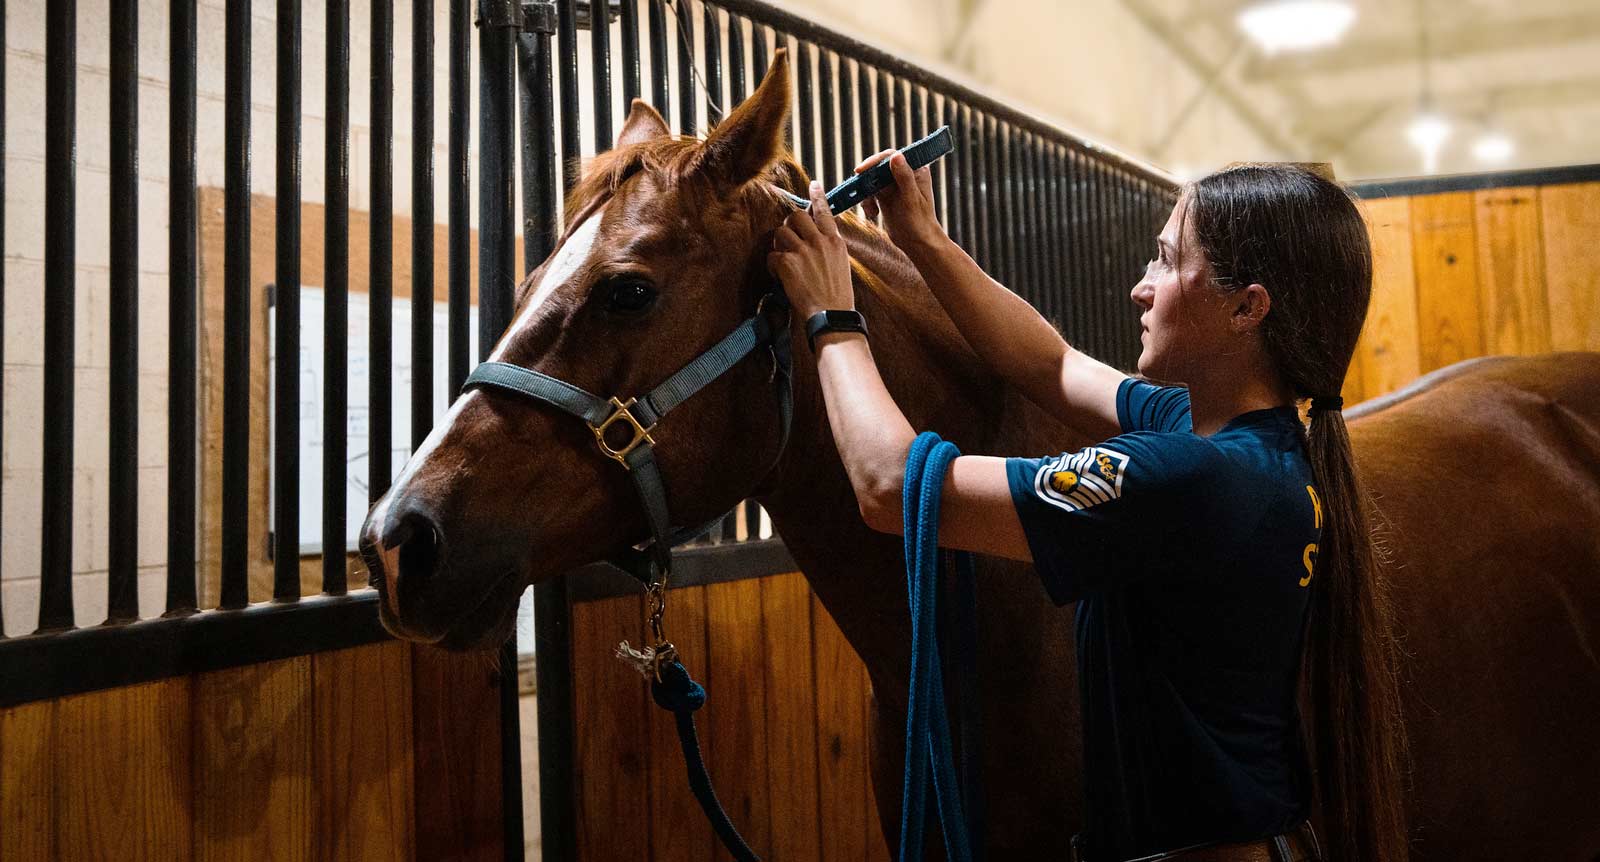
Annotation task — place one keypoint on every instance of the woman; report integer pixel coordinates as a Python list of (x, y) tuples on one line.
[(1217, 550)]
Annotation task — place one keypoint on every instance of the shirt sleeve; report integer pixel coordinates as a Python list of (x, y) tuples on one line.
[(1112, 514), (1145, 406)]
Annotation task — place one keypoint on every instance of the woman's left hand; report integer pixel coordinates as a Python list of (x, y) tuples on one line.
[(811, 259)]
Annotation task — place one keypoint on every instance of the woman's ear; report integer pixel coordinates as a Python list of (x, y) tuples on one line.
[(1250, 308)]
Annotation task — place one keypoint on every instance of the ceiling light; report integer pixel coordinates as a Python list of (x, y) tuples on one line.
[(1296, 25), (1428, 132), (1493, 148)]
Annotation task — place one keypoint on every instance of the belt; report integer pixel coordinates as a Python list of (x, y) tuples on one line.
[(1297, 845)]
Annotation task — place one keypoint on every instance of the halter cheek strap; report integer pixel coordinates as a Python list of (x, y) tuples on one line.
[(639, 417)]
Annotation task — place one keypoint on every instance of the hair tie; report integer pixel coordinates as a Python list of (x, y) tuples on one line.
[(1326, 403)]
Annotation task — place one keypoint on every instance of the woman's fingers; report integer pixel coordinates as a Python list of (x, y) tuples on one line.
[(777, 263), (869, 208), (904, 179), (821, 214), (784, 238), (873, 159), (925, 181)]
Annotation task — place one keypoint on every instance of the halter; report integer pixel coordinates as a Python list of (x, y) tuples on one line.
[(652, 564)]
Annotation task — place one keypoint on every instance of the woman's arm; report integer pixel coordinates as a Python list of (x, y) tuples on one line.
[(1013, 339), (871, 434)]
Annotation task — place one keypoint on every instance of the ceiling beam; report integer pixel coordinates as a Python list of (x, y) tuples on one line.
[(1454, 43)]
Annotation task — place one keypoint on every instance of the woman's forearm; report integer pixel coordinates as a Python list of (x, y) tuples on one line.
[(871, 434), (1011, 337)]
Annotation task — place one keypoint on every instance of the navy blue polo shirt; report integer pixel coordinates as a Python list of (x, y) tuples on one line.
[(1190, 560)]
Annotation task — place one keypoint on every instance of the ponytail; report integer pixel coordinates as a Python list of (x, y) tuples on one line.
[(1350, 668)]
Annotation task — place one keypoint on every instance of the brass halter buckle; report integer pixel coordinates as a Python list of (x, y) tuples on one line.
[(621, 413)]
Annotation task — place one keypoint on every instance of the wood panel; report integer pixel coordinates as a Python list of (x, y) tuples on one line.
[(1515, 309), (1570, 218), (456, 726), (123, 768), (253, 762), (612, 749), (791, 686), (362, 760), (679, 832), (1445, 249), (736, 707), (27, 774), (848, 812), (1388, 345)]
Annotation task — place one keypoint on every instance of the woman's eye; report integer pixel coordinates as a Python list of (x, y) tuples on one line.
[(630, 297)]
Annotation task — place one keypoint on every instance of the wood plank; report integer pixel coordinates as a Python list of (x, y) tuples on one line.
[(735, 711), (611, 771), (252, 762), (848, 815), (1571, 221), (1515, 308), (455, 717), (27, 774), (1445, 252), (679, 832), (791, 717), (362, 755), (1388, 343), (122, 773)]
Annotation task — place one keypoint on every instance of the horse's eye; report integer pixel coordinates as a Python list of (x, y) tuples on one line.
[(630, 296)]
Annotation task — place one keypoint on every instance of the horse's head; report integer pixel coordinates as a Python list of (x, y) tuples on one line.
[(663, 253)]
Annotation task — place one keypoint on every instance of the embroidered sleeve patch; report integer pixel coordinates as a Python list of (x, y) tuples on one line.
[(1078, 480)]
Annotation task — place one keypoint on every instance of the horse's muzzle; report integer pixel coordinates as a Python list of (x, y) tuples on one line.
[(402, 547)]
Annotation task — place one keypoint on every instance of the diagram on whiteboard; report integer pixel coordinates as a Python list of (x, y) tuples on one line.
[(357, 425)]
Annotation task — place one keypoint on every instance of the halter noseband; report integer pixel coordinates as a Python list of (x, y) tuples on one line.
[(641, 414)]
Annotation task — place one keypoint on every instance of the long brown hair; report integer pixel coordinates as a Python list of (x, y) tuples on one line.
[(1301, 237)]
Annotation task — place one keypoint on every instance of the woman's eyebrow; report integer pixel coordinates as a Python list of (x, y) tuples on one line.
[(1166, 246)]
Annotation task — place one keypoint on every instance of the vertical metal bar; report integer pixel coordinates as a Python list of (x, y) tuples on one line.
[(122, 600), (421, 221), (712, 53), (759, 34), (336, 298), (286, 295), (630, 53), (182, 313), (660, 65), (236, 310), (686, 100), (805, 144), (885, 112), (972, 174), (738, 89), (827, 103), (903, 109), (1008, 193), (539, 227), (571, 112), (985, 198), (1097, 239), (55, 555), (849, 141), (1032, 236), (458, 182), (1053, 232), (600, 71), (954, 180), (864, 112), (380, 286)]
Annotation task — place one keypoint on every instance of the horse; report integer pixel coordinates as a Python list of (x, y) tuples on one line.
[(1488, 478)]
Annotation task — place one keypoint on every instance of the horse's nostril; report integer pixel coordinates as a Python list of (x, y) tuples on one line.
[(419, 547)]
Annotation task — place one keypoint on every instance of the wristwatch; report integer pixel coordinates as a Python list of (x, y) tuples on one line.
[(834, 320)]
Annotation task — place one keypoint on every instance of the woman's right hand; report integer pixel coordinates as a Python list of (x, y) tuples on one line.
[(907, 206)]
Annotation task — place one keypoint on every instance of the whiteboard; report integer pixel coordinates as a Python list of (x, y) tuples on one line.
[(312, 374)]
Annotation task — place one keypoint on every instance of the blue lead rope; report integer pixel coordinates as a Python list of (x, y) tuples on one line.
[(929, 755), (681, 695)]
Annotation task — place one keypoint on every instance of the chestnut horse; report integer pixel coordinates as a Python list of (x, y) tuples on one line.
[(1489, 476)]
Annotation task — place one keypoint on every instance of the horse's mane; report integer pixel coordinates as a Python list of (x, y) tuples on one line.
[(674, 160)]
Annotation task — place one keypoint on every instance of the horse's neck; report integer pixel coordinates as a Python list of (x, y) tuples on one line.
[(941, 386)]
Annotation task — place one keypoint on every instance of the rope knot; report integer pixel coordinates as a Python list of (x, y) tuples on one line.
[(676, 692)]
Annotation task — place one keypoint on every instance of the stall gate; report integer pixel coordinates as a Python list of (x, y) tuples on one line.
[(260, 711)]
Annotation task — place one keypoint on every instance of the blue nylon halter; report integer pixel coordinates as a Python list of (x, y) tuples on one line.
[(928, 743)]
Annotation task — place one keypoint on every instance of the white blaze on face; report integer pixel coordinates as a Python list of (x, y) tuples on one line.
[(569, 258)]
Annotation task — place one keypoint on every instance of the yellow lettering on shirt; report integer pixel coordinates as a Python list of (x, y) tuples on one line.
[(1316, 505), (1310, 559)]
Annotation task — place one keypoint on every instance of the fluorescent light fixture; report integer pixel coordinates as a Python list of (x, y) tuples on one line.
[(1428, 132), (1296, 25), (1493, 148)]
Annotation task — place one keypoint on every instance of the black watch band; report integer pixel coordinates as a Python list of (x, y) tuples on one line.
[(834, 320)]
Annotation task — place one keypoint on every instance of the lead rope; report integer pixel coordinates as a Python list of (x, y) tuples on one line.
[(929, 756)]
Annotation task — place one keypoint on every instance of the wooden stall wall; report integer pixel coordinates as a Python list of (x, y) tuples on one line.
[(1477, 273), (331, 756), (784, 729)]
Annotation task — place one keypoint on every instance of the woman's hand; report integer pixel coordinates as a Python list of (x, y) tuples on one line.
[(906, 206), (810, 258)]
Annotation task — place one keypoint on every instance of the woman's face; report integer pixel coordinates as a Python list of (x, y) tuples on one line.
[(1184, 318)]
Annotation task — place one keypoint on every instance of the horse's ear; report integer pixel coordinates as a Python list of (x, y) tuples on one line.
[(643, 124), (751, 138)]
